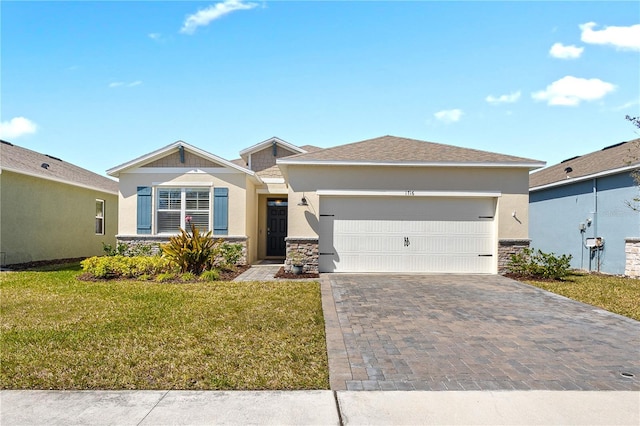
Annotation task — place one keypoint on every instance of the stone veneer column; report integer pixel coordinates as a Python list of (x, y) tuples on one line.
[(308, 246), (154, 241), (506, 248), (632, 255)]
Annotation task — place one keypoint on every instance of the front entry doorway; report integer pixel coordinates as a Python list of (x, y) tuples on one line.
[(276, 227)]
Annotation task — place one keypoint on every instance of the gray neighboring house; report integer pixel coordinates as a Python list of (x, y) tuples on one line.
[(579, 207), (51, 209)]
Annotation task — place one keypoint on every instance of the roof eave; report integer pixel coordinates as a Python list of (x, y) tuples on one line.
[(261, 145), (115, 171), (64, 181), (570, 181), (529, 165)]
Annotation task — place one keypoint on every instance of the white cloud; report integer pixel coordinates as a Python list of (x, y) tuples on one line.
[(205, 16), (560, 51), (154, 36), (570, 91), (503, 99), (17, 127), (449, 115), (621, 37), (626, 105), (123, 84)]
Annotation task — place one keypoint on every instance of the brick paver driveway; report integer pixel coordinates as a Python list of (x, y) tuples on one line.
[(461, 332)]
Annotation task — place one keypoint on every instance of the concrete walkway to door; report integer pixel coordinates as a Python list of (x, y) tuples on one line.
[(465, 332)]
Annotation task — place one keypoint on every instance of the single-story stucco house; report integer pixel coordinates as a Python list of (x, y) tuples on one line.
[(580, 207), (51, 209), (387, 204)]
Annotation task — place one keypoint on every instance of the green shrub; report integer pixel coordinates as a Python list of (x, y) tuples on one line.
[(229, 255), (191, 252), (124, 267), (210, 275), (188, 276), (165, 276), (537, 264), (119, 250)]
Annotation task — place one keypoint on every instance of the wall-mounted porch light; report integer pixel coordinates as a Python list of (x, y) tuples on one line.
[(303, 201)]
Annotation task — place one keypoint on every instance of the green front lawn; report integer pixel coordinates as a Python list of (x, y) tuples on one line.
[(616, 294), (61, 333)]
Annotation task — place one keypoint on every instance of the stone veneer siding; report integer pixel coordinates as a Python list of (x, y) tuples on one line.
[(309, 249), (632, 254), (506, 248), (154, 241)]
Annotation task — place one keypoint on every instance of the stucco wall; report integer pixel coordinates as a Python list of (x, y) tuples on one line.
[(512, 183), (556, 214), (251, 214), (46, 220), (236, 182)]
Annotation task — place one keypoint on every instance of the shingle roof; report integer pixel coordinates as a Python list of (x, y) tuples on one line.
[(621, 155), (393, 149), (25, 161)]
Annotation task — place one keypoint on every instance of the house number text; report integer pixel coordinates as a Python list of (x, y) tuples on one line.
[(410, 192)]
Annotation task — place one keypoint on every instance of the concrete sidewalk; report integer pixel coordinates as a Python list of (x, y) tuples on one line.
[(318, 408)]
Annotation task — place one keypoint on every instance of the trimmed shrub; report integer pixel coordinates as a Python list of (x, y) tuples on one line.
[(537, 264), (119, 266)]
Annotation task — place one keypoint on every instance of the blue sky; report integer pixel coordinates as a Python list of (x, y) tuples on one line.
[(100, 83)]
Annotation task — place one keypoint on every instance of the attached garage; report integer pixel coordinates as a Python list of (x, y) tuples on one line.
[(398, 205), (409, 231)]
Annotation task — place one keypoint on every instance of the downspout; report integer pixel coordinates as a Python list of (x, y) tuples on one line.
[(595, 220)]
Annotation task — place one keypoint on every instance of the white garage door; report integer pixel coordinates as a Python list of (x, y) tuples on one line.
[(407, 234)]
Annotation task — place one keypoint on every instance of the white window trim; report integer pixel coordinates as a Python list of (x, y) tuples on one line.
[(98, 200), (183, 204)]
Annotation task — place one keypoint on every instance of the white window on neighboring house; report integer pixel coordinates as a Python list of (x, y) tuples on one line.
[(179, 207), (99, 217)]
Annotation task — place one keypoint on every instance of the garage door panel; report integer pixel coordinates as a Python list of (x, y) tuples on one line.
[(378, 234)]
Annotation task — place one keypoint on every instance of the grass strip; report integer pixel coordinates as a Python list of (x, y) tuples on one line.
[(620, 295), (61, 333)]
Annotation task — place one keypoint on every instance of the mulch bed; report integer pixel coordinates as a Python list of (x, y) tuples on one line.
[(291, 276), (520, 277), (40, 263), (228, 275)]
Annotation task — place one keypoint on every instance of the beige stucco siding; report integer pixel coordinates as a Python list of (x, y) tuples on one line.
[(45, 220), (251, 215), (236, 182), (512, 183)]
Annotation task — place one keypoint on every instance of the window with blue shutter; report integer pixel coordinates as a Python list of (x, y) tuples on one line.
[(144, 210), (220, 211)]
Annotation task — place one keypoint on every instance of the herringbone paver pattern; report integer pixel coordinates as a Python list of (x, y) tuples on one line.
[(461, 332)]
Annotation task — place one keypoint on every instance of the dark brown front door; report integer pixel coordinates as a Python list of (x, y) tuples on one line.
[(276, 227)]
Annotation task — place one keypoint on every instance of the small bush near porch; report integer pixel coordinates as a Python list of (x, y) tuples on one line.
[(62, 333)]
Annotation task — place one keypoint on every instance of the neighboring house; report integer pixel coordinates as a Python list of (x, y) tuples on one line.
[(50, 209), (388, 204), (579, 207)]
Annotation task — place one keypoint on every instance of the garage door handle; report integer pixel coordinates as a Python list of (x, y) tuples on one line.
[(407, 243), (485, 255)]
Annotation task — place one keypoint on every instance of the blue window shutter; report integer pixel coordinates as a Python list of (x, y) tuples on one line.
[(144, 210), (220, 211)]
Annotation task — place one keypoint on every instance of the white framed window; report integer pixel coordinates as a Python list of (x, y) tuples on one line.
[(99, 217), (179, 207)]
